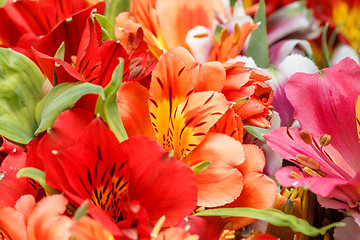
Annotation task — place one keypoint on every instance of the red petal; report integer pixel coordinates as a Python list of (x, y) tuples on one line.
[(155, 179)]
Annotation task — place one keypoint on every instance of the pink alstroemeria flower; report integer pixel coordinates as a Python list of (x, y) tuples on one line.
[(327, 148)]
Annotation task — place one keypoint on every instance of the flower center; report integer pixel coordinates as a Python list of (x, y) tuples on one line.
[(346, 19)]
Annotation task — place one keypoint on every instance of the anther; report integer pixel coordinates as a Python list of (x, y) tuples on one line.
[(54, 152), (325, 140), (307, 161), (295, 175), (305, 136), (310, 172)]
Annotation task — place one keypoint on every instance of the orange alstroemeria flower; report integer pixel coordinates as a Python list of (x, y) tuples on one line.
[(182, 111), (46, 219), (166, 25)]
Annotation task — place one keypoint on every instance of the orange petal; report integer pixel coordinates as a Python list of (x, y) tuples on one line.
[(221, 182), (193, 118), (12, 224), (25, 205), (87, 228), (170, 85), (230, 124), (132, 99), (176, 18), (47, 221), (231, 45), (208, 76), (259, 190)]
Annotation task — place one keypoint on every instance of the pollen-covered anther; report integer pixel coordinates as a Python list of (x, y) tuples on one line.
[(307, 161), (325, 140), (201, 35), (310, 172), (228, 234), (295, 175), (305, 136)]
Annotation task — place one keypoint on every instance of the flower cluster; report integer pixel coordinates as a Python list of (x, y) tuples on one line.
[(174, 119)]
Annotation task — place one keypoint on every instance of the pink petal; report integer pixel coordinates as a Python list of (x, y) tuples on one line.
[(330, 97)]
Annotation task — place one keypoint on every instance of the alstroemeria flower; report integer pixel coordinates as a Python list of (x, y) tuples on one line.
[(29, 220), (166, 23), (25, 22), (127, 184), (181, 107), (329, 151), (87, 58), (47, 219)]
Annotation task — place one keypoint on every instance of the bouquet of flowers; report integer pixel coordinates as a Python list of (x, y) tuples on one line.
[(174, 119)]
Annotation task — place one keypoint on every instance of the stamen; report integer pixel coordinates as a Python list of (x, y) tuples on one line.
[(223, 35), (236, 35), (310, 172), (307, 161), (305, 136), (325, 140), (156, 230), (295, 175), (201, 35)]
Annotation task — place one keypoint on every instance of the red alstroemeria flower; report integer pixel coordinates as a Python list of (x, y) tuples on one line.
[(93, 59), (329, 151), (127, 180), (181, 111), (24, 22)]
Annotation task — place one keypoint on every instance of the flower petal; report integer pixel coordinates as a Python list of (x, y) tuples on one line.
[(221, 182), (155, 179), (328, 95)]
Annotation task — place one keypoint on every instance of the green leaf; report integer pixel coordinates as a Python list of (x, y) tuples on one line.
[(106, 27), (272, 216), (81, 211), (115, 7), (21, 83), (257, 132), (258, 46), (200, 166), (108, 108), (232, 2), (38, 176), (61, 98), (60, 53), (325, 49)]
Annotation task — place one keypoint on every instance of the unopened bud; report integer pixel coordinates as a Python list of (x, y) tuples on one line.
[(325, 140), (307, 161), (305, 136)]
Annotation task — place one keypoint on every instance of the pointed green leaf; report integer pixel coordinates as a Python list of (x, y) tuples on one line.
[(38, 176), (60, 53), (81, 211), (258, 46), (257, 132), (200, 166), (61, 98), (108, 108), (272, 216), (115, 7), (21, 83), (325, 49), (106, 27)]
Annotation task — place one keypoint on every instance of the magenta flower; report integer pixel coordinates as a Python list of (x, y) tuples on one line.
[(326, 148)]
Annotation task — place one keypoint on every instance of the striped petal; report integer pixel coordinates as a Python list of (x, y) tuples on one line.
[(170, 85), (193, 118)]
